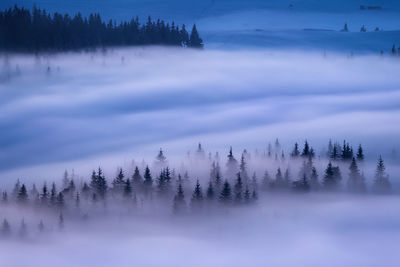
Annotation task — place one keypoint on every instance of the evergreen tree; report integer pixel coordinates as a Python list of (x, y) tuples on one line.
[(301, 185), (231, 165), (243, 170), (266, 181), (137, 180), (119, 182), (60, 200), (226, 195), (295, 153), (23, 195), (179, 206), (53, 195), (247, 196), (4, 197), (77, 200), (381, 183), (306, 150), (23, 229), (196, 202), (238, 189), (148, 181), (345, 28), (332, 177), (61, 221), (44, 197), (355, 183), (195, 41), (210, 191), (128, 189), (360, 153)]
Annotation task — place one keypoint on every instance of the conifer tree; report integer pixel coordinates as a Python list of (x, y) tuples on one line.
[(226, 195), (179, 206), (196, 202), (61, 221), (195, 41), (148, 181), (4, 197), (381, 183), (77, 200), (23, 229), (355, 183), (247, 196), (137, 180), (295, 153), (60, 200), (23, 195), (210, 191), (266, 181), (243, 170), (44, 197), (306, 150), (231, 165), (301, 185), (314, 182), (360, 153), (119, 182), (128, 189), (53, 195), (332, 177), (238, 189)]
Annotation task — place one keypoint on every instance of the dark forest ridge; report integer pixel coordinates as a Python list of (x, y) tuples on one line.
[(24, 31)]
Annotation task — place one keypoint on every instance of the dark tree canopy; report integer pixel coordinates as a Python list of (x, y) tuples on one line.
[(23, 30)]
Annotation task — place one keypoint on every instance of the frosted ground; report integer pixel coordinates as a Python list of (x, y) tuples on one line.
[(268, 71)]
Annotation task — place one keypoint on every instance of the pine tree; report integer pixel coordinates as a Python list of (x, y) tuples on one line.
[(137, 180), (196, 202), (148, 181), (210, 191), (53, 195), (266, 181), (23, 229), (23, 195), (4, 197), (360, 153), (61, 221), (238, 189), (60, 200), (301, 185), (243, 170), (295, 153), (381, 183), (355, 183), (119, 182), (247, 196), (195, 41), (77, 200), (179, 206), (226, 195), (44, 197), (128, 189), (332, 177), (306, 150), (231, 165)]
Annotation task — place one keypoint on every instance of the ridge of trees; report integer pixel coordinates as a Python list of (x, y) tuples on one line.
[(22, 30)]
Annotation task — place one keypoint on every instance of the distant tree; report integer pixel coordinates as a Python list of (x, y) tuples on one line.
[(238, 189), (247, 196), (41, 226), (53, 195), (196, 202), (60, 200), (345, 28), (363, 29), (137, 180), (195, 41), (148, 181), (4, 197), (33, 193), (184, 36), (128, 189), (119, 182), (332, 177), (355, 183), (243, 169), (5, 229), (381, 183), (360, 153), (200, 154), (65, 181), (266, 181), (393, 50), (23, 229), (314, 183), (301, 185), (77, 200), (15, 192), (179, 206), (61, 221), (161, 160), (306, 150), (231, 165), (226, 195), (44, 197), (210, 191), (254, 182), (23, 195)]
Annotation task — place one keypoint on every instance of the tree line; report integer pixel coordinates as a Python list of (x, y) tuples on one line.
[(24, 31), (234, 186)]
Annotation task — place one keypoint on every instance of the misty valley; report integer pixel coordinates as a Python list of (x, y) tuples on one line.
[(199, 133)]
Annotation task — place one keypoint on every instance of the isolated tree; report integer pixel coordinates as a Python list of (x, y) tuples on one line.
[(381, 183), (195, 41), (226, 194), (345, 28), (196, 202), (161, 160)]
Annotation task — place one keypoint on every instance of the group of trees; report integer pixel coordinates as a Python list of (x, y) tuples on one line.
[(22, 30), (234, 186)]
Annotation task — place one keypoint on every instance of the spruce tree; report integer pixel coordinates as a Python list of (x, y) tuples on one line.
[(231, 165), (266, 181), (119, 182), (196, 202), (226, 195), (355, 183), (195, 41), (179, 206), (137, 180), (238, 189), (332, 177), (360, 153), (23, 229), (23, 195), (314, 182), (128, 189), (381, 183), (210, 191), (5, 229)]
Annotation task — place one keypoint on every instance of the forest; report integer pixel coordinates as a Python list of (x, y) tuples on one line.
[(204, 185), (24, 31)]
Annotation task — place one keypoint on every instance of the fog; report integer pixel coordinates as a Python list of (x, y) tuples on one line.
[(117, 108)]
